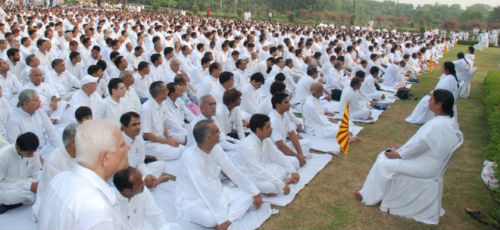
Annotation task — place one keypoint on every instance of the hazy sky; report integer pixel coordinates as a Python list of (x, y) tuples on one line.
[(463, 3)]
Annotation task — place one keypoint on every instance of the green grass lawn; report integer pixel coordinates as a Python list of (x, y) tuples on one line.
[(328, 202)]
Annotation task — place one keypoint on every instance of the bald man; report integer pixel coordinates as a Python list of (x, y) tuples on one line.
[(82, 198), (316, 120)]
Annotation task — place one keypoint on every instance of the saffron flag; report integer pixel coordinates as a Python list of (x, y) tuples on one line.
[(431, 63), (343, 132)]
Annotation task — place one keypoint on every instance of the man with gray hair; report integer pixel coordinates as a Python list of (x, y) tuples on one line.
[(81, 198), (52, 104), (208, 109), (200, 196), (159, 143), (131, 100), (61, 80), (59, 160), (29, 118)]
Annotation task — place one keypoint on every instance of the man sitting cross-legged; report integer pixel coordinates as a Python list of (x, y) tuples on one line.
[(19, 172), (262, 162), (136, 202), (200, 196), (284, 136), (131, 128), (153, 124)]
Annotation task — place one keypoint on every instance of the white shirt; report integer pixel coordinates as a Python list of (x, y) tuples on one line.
[(58, 161), (152, 118), (79, 199), (250, 99), (281, 126), (80, 98), (39, 123), (10, 86), (137, 153), (139, 209), (198, 182), (141, 85), (110, 109), (449, 83), (62, 83), (256, 159), (17, 172), (303, 89), (356, 101), (131, 101), (4, 116), (76, 70), (176, 113), (368, 88), (314, 115), (206, 86), (229, 120)]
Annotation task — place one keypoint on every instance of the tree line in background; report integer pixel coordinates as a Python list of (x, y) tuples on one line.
[(384, 14)]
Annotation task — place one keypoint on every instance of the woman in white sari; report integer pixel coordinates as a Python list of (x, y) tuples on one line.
[(448, 81), (422, 156)]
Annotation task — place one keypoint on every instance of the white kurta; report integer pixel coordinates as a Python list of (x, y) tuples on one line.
[(176, 113), (140, 209), (227, 142), (463, 69), (152, 121), (58, 161), (110, 109), (282, 125), (230, 120), (423, 156), (368, 88), (21, 122), (11, 86), (392, 76), (46, 91), (358, 107), (80, 199), (250, 99), (303, 89), (200, 196), (263, 163), (136, 156), (17, 173), (422, 113), (315, 121)]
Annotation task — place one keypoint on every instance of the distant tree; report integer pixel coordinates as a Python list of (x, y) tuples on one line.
[(475, 24), (380, 19), (450, 24), (494, 18)]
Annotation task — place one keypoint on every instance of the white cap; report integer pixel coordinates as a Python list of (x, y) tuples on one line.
[(87, 79)]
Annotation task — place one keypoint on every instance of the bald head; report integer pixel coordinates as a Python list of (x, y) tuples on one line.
[(316, 89)]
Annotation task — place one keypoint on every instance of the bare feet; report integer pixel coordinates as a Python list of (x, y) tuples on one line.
[(358, 196), (354, 139)]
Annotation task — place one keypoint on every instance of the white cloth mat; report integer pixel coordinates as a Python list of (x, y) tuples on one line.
[(325, 145), (314, 164), (164, 197), (18, 218), (375, 115)]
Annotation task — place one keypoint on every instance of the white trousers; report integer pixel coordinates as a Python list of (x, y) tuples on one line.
[(156, 168), (164, 152), (15, 195), (421, 113), (305, 145), (239, 203)]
